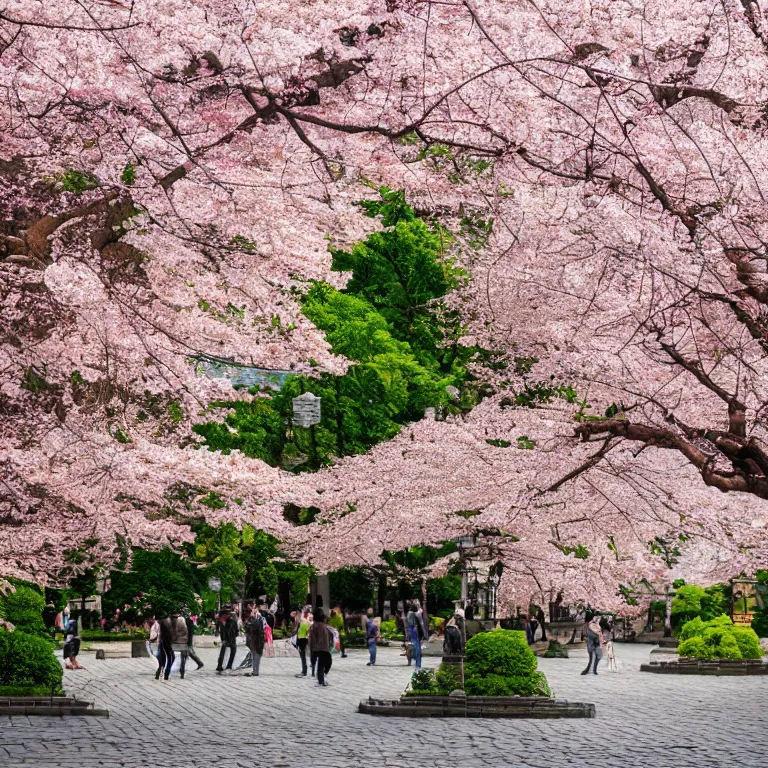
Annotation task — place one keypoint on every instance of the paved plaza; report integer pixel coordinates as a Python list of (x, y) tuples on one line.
[(278, 721)]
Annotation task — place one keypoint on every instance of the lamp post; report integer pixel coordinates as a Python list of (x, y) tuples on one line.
[(307, 413)]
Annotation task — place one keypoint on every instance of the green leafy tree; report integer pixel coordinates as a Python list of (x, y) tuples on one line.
[(24, 609), (157, 583)]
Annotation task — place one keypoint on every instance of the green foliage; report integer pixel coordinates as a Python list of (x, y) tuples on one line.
[(524, 442), (718, 638), (351, 588), (392, 323), (96, 635), (158, 583), (499, 444), (497, 685), (388, 628), (692, 600), (748, 642), (760, 623), (694, 647), (693, 628), (448, 678), (501, 652), (77, 181), (28, 660), (423, 682), (128, 176), (24, 609)]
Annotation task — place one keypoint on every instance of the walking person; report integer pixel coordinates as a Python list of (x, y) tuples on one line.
[(153, 644), (165, 655), (540, 617), (414, 630), (337, 622), (255, 638), (190, 641), (371, 633), (594, 645), (320, 639), (228, 636), (302, 640), (178, 629)]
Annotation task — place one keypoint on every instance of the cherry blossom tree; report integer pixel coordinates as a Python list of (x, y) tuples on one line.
[(171, 172)]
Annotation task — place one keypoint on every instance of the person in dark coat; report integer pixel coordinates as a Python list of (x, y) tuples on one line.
[(228, 635), (190, 640), (255, 638), (165, 654), (320, 644)]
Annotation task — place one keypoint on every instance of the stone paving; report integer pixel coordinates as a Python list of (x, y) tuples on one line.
[(276, 720)]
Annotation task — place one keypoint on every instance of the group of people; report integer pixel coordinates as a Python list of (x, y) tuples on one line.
[(170, 637)]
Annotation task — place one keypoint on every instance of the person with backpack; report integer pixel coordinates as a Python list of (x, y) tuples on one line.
[(594, 644), (255, 638), (228, 636)]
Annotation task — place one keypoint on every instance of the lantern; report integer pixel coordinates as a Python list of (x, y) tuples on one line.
[(306, 410)]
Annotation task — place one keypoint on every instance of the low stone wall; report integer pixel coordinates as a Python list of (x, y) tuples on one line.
[(717, 667), (56, 706), (533, 707)]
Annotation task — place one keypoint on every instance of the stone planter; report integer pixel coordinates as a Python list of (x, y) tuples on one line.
[(534, 707), (717, 667)]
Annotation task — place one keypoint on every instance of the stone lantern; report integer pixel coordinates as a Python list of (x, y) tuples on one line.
[(306, 410)]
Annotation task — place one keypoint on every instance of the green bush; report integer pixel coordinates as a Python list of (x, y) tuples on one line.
[(693, 628), (502, 652), (760, 623), (423, 683), (448, 678), (695, 647), (718, 638), (748, 641), (388, 628), (497, 685), (28, 660), (24, 609)]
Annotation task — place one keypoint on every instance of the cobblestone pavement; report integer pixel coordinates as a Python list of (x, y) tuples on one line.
[(279, 721)]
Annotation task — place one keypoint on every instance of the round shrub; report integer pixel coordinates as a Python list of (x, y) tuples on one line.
[(502, 652), (28, 661), (695, 647), (496, 685), (748, 642), (24, 609)]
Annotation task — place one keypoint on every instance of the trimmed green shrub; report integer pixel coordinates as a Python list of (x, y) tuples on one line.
[(693, 628), (694, 647), (24, 609), (502, 652), (28, 660), (749, 642), (496, 685), (718, 639), (423, 682), (448, 678)]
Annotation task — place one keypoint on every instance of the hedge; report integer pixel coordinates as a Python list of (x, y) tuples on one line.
[(27, 661), (718, 639)]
